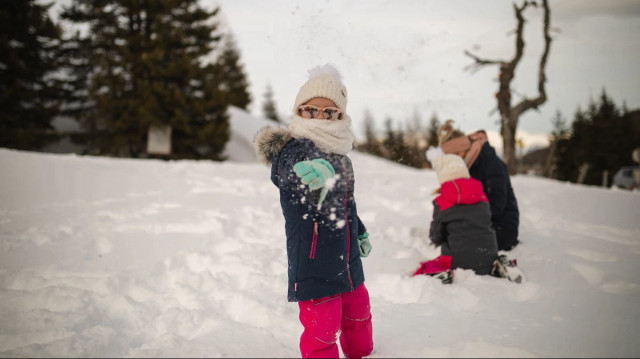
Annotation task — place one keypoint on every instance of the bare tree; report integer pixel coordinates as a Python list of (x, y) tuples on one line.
[(509, 113)]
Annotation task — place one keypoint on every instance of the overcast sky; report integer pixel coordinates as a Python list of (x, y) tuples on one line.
[(399, 57), (402, 57)]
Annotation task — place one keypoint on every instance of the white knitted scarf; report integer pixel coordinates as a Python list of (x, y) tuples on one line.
[(329, 136)]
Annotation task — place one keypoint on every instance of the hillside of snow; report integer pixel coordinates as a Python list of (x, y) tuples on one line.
[(105, 257)]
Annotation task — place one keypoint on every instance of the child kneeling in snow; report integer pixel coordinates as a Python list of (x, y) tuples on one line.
[(461, 224)]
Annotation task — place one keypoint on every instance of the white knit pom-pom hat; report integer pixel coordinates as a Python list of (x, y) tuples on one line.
[(450, 167), (324, 81)]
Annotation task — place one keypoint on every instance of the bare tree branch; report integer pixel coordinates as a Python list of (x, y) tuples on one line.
[(519, 36), (480, 61), (542, 78)]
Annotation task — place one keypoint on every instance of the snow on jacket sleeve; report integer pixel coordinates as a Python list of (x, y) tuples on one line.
[(282, 172), (285, 178)]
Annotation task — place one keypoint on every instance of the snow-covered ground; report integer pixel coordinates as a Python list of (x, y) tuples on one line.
[(105, 257)]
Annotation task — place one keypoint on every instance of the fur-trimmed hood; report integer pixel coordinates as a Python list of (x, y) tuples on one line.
[(269, 141)]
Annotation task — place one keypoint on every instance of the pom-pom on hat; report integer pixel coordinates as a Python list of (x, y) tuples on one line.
[(450, 167), (324, 81)]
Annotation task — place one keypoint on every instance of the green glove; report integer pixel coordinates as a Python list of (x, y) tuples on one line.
[(315, 173), (364, 244)]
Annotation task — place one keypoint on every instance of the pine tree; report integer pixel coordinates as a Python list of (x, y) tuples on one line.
[(393, 143), (140, 64), (234, 82), (415, 142), (560, 132), (434, 124), (371, 142), (29, 44), (269, 106)]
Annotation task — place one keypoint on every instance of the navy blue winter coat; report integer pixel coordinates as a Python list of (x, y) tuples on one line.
[(489, 169), (322, 245)]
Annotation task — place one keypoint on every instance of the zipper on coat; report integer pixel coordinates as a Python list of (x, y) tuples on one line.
[(346, 219), (314, 241)]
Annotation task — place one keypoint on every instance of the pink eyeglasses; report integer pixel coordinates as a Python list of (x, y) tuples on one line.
[(328, 113)]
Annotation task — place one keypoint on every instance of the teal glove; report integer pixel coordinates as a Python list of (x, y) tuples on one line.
[(364, 244), (315, 173)]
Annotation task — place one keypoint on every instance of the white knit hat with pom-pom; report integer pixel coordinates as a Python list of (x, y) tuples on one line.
[(324, 81), (450, 167)]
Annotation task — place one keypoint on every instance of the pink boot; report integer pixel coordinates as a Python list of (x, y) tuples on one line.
[(433, 266)]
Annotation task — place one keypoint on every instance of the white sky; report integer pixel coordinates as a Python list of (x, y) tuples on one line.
[(402, 57)]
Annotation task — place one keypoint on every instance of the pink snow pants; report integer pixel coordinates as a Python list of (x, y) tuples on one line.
[(322, 319)]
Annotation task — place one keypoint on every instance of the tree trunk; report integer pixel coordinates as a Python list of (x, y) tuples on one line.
[(509, 147), (582, 172), (548, 168), (605, 178)]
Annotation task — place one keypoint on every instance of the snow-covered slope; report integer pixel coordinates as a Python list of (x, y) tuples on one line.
[(124, 258), (244, 127)]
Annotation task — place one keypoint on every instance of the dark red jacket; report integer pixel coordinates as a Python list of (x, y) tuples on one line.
[(460, 191)]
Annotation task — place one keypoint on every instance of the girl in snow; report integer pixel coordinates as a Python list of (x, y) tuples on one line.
[(485, 166), (461, 223), (325, 236)]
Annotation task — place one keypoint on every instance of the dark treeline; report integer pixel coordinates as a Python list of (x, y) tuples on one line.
[(598, 142), (589, 150), (126, 67), (405, 143)]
